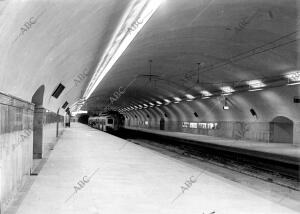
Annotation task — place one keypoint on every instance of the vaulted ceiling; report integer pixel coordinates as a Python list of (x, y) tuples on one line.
[(232, 41)]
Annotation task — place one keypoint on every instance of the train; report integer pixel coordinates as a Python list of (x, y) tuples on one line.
[(107, 122)]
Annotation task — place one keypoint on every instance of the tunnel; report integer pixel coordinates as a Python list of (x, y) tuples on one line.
[(159, 103)]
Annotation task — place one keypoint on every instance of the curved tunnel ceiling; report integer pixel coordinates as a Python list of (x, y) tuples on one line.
[(232, 40)]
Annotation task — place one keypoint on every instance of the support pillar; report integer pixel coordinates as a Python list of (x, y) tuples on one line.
[(38, 135), (296, 133)]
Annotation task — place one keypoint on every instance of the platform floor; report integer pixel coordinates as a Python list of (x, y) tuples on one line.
[(288, 152), (126, 178)]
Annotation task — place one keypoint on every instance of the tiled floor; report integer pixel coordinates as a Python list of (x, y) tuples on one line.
[(120, 177)]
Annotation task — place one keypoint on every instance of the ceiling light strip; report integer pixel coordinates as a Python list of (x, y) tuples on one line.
[(136, 16)]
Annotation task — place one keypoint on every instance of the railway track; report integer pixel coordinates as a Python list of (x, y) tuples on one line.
[(280, 173)]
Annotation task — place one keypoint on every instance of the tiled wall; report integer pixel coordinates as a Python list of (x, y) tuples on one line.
[(237, 130), (16, 124), (50, 129), (16, 143)]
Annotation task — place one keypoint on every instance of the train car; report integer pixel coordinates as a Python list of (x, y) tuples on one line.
[(108, 122), (92, 121)]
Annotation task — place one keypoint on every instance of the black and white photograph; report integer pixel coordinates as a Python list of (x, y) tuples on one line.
[(149, 106)]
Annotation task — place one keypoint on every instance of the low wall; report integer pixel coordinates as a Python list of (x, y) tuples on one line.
[(16, 125), (16, 143)]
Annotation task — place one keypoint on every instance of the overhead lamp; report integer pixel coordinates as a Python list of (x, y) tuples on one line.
[(256, 85), (158, 102), (151, 104), (206, 93), (256, 89), (177, 99), (293, 78), (190, 97), (78, 112), (226, 107), (167, 101), (145, 105), (135, 17), (294, 83), (227, 90)]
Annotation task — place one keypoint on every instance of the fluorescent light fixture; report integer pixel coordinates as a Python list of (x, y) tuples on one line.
[(151, 104), (256, 89), (77, 105), (206, 93), (78, 112), (177, 99), (203, 98), (227, 90), (145, 105), (135, 17), (256, 85), (294, 83), (167, 101), (226, 107), (158, 102), (293, 76), (190, 97)]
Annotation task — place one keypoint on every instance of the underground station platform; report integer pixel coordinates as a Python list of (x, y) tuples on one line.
[(149, 106), (90, 171)]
